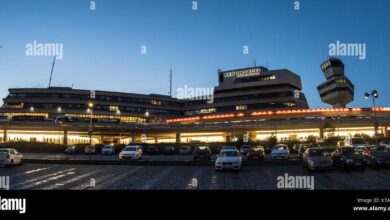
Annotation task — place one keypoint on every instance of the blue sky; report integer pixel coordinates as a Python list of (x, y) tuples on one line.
[(102, 47)]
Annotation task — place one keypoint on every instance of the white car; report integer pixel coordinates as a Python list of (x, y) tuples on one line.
[(280, 151), (108, 150), (228, 159), (224, 148), (10, 157), (131, 152)]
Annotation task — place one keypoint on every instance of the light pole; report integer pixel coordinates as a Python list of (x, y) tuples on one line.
[(374, 95), (90, 111)]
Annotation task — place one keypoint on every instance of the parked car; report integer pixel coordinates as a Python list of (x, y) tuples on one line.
[(228, 159), (202, 152), (131, 152), (10, 157), (184, 150), (89, 150), (377, 156), (227, 148), (152, 150), (280, 151), (386, 143), (245, 149), (348, 157), (317, 159), (256, 153), (302, 149), (108, 149), (169, 150), (72, 149)]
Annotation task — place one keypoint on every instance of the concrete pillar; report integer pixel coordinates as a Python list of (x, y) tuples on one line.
[(252, 136), (155, 140), (101, 139), (133, 138), (65, 141), (322, 133), (5, 135), (385, 131), (178, 138)]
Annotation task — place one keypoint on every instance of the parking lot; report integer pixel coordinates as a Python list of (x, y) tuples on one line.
[(111, 177), (159, 157)]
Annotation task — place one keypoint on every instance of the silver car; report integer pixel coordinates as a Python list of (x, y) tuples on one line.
[(317, 159)]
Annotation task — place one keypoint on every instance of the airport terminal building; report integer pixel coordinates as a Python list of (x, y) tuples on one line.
[(251, 101)]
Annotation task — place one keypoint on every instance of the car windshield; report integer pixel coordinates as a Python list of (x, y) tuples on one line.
[(280, 147), (130, 149), (203, 148), (351, 151), (380, 148), (255, 149), (107, 147), (3, 152), (245, 147), (229, 154), (184, 148), (229, 148), (316, 152)]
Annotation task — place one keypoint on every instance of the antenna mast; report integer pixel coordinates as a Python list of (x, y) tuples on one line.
[(52, 69), (170, 82)]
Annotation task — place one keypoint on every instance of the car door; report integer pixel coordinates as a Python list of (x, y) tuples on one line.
[(13, 156)]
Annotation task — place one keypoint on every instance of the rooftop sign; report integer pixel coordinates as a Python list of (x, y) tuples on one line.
[(243, 73)]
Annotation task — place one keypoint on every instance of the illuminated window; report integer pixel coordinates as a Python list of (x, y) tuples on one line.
[(114, 108), (241, 107), (156, 102)]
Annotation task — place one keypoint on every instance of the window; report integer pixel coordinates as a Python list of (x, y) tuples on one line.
[(114, 108), (156, 102), (241, 107)]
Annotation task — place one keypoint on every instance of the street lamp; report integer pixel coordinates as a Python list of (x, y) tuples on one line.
[(374, 95), (90, 111), (59, 109), (31, 108)]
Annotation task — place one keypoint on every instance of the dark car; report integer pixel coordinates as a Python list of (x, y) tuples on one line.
[(348, 157), (245, 149), (152, 150), (169, 150), (202, 152), (377, 156), (72, 150), (302, 149), (256, 153)]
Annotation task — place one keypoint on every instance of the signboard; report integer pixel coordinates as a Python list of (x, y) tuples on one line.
[(243, 73)]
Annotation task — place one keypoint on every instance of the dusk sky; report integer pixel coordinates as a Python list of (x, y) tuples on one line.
[(102, 47)]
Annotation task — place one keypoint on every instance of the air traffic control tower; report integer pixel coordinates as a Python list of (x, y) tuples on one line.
[(338, 90)]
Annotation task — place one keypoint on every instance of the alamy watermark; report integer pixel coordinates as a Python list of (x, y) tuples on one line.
[(4, 182), (348, 49), (13, 204), (295, 182), (45, 49), (189, 93)]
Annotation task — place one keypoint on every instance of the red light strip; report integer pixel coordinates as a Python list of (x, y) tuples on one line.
[(279, 112)]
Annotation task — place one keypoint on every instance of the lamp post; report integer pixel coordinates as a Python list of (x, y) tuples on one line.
[(90, 111), (374, 95)]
